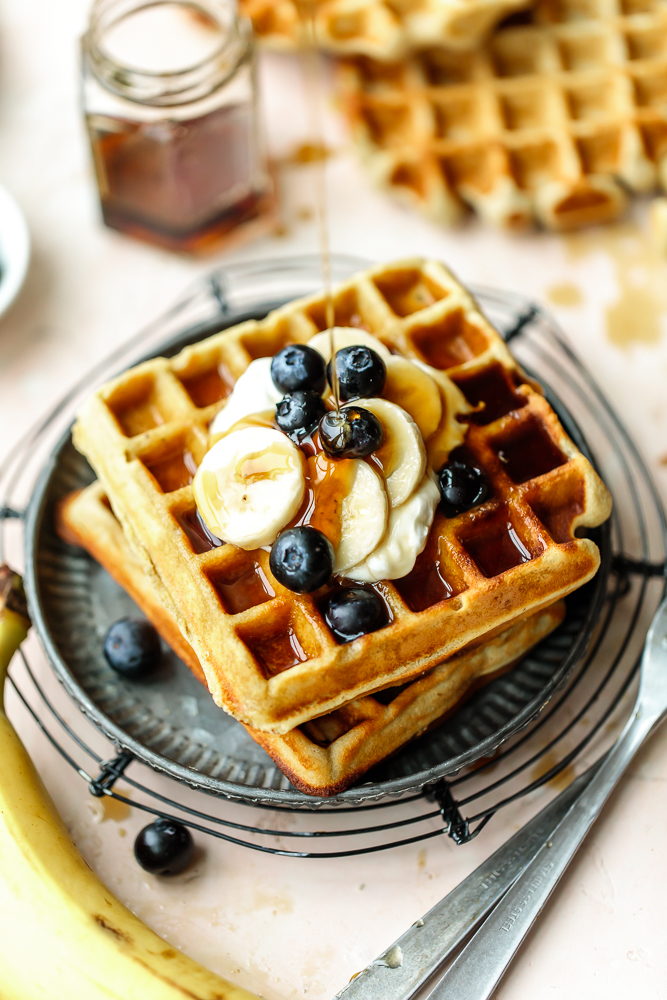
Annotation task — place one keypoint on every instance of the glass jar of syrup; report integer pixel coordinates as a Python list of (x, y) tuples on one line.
[(170, 102)]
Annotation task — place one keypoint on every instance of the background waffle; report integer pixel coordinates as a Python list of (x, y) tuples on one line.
[(268, 656), (327, 755), (383, 29), (552, 121)]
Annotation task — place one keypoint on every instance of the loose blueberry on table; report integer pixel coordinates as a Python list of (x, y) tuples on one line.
[(461, 488), (302, 559), (354, 611), (298, 367), (361, 372), (352, 432), (132, 647), (164, 847), (298, 413)]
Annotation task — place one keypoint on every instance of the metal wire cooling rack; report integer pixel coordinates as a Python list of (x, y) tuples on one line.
[(574, 728)]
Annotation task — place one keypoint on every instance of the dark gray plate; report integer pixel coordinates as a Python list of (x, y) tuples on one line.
[(171, 723)]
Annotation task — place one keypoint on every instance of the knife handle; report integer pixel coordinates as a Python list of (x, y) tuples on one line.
[(401, 971)]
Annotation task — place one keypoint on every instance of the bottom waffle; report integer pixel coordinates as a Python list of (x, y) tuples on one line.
[(326, 755)]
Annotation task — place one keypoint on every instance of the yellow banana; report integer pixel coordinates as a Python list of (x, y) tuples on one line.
[(63, 935)]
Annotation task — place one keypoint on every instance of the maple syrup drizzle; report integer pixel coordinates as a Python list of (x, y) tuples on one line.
[(328, 483), (313, 83)]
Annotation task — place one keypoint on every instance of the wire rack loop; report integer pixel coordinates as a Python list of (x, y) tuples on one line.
[(109, 773)]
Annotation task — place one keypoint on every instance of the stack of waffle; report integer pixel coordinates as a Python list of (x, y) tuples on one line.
[(553, 116), (488, 585)]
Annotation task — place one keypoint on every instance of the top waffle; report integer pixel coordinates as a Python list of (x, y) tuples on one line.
[(550, 120), (267, 653), (382, 29)]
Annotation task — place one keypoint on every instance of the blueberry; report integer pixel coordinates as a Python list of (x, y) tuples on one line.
[(350, 433), (461, 487), (164, 847), (354, 611), (298, 367), (298, 413), (361, 372), (132, 647), (302, 559)]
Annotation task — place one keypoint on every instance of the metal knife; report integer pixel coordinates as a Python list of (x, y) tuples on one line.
[(401, 971)]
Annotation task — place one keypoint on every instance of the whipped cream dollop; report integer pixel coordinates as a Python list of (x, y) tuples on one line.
[(404, 538), (347, 336), (254, 392), (249, 486)]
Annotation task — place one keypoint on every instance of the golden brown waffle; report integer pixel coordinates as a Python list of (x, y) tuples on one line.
[(268, 656), (327, 755), (85, 518), (552, 121), (382, 29)]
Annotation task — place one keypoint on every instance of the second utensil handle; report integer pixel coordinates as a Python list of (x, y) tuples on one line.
[(480, 966)]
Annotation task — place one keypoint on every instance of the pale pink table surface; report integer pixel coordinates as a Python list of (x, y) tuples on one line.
[(288, 928)]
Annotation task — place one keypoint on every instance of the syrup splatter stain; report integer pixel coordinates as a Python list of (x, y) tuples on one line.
[(637, 314), (565, 295)]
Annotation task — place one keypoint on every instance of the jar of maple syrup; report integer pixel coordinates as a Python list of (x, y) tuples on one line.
[(170, 103)]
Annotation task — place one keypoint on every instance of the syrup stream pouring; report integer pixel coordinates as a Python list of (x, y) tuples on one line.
[(313, 79), (478, 969)]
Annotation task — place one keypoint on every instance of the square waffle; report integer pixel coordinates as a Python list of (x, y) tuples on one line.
[(551, 121), (382, 29), (267, 653), (326, 755)]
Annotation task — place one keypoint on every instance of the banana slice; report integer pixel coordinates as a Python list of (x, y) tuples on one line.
[(254, 392), (347, 336), (402, 455), (351, 507), (363, 518), (249, 486), (406, 536), (412, 388), (450, 432)]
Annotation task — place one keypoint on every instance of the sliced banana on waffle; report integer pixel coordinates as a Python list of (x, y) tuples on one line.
[(428, 395), (402, 455), (405, 538), (249, 486), (450, 432)]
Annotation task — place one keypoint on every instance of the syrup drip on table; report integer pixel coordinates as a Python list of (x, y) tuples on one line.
[(175, 471), (245, 588), (197, 532), (262, 465)]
